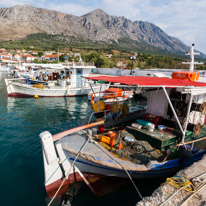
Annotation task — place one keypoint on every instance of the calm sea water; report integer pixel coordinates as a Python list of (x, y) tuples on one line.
[(21, 164)]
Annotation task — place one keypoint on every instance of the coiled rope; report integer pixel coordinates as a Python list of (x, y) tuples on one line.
[(181, 182), (198, 190), (184, 184)]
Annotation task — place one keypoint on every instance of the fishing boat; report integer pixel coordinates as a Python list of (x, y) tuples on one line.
[(51, 81), (143, 144)]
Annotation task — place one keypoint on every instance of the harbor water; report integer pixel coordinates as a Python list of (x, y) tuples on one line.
[(21, 163)]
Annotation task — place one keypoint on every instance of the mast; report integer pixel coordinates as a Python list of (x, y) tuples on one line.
[(192, 61), (58, 55)]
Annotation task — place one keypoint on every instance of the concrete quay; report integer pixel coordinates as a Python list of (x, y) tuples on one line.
[(165, 194)]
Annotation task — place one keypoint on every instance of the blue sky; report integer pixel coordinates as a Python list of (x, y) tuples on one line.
[(184, 19)]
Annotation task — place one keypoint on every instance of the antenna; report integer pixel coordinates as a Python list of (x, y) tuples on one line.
[(192, 62)]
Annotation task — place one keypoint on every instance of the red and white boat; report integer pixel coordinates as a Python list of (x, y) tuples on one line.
[(59, 82)]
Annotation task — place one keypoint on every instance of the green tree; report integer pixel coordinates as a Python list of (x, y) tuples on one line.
[(40, 53), (131, 65), (36, 61)]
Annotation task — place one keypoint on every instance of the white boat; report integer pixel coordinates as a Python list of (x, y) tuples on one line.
[(80, 152), (58, 82), (4, 68)]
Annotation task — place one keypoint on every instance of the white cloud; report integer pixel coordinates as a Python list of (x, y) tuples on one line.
[(10, 3), (69, 8), (186, 21), (179, 18)]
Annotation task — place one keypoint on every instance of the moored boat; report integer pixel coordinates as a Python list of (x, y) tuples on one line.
[(53, 82), (144, 144)]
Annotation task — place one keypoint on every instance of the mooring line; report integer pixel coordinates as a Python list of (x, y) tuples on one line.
[(66, 176)]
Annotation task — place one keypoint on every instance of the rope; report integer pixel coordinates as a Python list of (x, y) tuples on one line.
[(122, 167), (172, 196), (197, 178), (184, 184), (181, 182), (66, 177), (199, 189)]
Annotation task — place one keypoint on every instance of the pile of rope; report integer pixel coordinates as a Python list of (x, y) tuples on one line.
[(181, 182)]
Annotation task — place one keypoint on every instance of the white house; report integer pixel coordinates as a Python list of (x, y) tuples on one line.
[(29, 58), (2, 50), (48, 53), (18, 57), (51, 58), (5, 55)]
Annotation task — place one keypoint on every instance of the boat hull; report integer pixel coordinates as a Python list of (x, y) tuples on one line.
[(96, 160), (25, 90), (87, 166)]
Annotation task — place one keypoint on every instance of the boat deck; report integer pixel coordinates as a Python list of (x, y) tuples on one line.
[(73, 143)]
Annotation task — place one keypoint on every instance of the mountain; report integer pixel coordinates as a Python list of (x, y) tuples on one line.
[(97, 26)]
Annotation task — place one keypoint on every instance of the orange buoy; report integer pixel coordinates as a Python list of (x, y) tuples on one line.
[(111, 134), (115, 142), (105, 139)]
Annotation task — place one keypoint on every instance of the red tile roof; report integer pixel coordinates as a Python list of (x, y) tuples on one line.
[(5, 54), (28, 55), (53, 55)]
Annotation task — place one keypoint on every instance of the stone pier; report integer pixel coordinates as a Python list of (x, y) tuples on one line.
[(161, 194)]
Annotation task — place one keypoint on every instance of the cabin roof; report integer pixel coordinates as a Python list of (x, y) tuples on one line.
[(148, 81), (113, 89)]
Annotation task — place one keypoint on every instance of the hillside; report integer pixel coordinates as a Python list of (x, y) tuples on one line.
[(97, 28)]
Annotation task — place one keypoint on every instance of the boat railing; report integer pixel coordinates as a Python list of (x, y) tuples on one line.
[(105, 113), (79, 64), (16, 79), (202, 79)]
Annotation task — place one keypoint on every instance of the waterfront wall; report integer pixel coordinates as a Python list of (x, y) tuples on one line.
[(161, 194), (135, 72), (113, 72)]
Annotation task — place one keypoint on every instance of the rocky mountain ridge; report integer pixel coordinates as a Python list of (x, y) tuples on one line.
[(97, 26)]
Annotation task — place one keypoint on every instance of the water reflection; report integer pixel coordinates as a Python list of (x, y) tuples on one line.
[(58, 113), (3, 75), (22, 120)]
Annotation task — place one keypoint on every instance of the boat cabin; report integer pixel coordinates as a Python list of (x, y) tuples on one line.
[(54, 72), (175, 109)]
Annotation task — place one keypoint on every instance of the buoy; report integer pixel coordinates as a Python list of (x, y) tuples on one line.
[(36, 96)]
